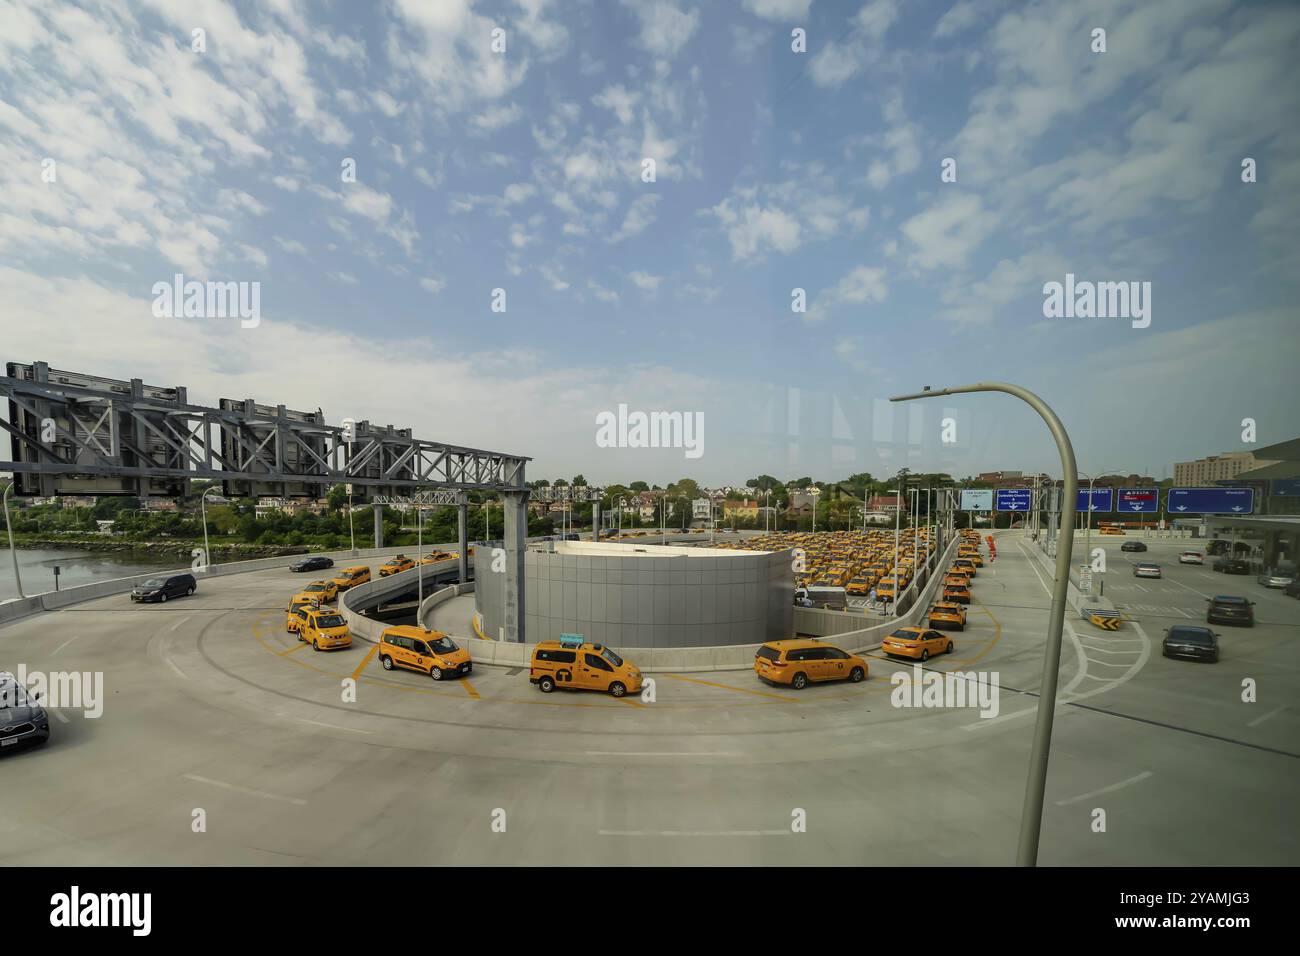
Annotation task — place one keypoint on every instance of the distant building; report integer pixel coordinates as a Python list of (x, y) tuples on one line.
[(885, 503), (745, 508), (1204, 472), (158, 504), (289, 506)]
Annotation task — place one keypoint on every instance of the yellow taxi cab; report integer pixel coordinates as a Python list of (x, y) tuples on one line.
[(323, 590), (437, 556), (972, 556), (351, 577), (948, 616), (860, 584), (394, 565), (957, 593), (575, 664), (916, 642), (298, 602), (966, 565), (430, 652), (886, 588), (323, 628), (1118, 531), (799, 662)]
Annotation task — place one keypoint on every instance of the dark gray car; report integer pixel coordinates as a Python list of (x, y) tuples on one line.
[(22, 720), (1193, 643), (162, 589)]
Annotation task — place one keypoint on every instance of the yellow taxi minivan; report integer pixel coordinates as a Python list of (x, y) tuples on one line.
[(575, 664), (323, 628), (958, 593), (299, 602), (436, 556), (916, 642), (417, 649), (797, 663), (394, 565), (351, 577)]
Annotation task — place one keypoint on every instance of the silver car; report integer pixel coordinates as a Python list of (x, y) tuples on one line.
[(1146, 570), (1276, 578)]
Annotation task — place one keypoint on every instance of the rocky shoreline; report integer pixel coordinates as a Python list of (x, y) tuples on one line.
[(182, 549)]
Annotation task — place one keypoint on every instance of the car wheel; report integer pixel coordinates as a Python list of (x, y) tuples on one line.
[(856, 675), (617, 689), (190, 591), (950, 647), (546, 684), (435, 673), (315, 646), (800, 681), (163, 597), (387, 662), (925, 655)]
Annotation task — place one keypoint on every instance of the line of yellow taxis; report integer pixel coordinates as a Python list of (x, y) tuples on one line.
[(947, 614)]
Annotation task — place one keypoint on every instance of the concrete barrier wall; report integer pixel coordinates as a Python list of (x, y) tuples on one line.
[(54, 600), (1074, 597)]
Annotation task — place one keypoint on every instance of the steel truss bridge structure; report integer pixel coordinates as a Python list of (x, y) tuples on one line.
[(78, 434)]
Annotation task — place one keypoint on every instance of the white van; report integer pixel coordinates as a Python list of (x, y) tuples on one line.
[(835, 599)]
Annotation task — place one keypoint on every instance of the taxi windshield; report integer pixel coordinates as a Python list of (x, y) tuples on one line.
[(610, 656), (330, 620), (443, 645)]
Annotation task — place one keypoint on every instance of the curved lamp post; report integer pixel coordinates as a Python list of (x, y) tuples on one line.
[(1031, 817), (203, 509), (13, 552)]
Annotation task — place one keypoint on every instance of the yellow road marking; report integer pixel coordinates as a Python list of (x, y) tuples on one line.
[(738, 690), (469, 689), (296, 647), (364, 661)]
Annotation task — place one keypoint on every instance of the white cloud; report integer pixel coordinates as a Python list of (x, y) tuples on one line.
[(645, 281), (492, 118), (945, 234), (620, 100), (639, 216), (434, 284), (779, 10), (665, 27)]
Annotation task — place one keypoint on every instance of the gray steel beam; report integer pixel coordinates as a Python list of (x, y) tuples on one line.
[(515, 541)]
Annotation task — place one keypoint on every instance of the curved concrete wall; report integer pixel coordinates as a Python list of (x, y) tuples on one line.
[(646, 600)]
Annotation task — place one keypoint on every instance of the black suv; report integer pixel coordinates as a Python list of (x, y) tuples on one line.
[(1231, 566), (22, 720), (160, 589), (1230, 609), (1132, 546), (317, 562)]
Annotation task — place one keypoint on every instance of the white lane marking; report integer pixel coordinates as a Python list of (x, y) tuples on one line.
[(318, 723), (693, 833), (989, 721), (1107, 664), (252, 793), (179, 673), (1102, 650), (659, 753), (1184, 614), (1272, 713), (1111, 789), (59, 714), (1185, 587), (65, 644), (178, 623)]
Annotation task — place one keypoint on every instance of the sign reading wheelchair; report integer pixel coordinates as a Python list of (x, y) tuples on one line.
[(976, 499)]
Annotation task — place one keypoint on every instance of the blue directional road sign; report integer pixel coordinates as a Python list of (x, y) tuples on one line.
[(1211, 501), (1138, 500), (1102, 499), (1012, 499), (976, 500)]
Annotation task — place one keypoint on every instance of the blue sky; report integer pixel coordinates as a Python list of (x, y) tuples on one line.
[(776, 170)]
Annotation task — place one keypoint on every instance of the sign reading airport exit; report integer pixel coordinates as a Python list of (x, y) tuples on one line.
[(1138, 500), (1103, 499), (976, 500), (1211, 501)]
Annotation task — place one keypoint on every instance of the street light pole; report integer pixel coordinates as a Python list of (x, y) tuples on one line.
[(1031, 818), (13, 552), (203, 509)]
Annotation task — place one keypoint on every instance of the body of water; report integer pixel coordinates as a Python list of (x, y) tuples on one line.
[(36, 565)]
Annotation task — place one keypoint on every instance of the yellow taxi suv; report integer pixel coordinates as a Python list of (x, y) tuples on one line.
[(296, 611), (323, 629), (916, 642), (351, 577), (395, 565), (582, 665), (797, 663), (972, 556), (956, 593), (966, 565), (322, 590), (430, 652), (1118, 531), (947, 616)]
